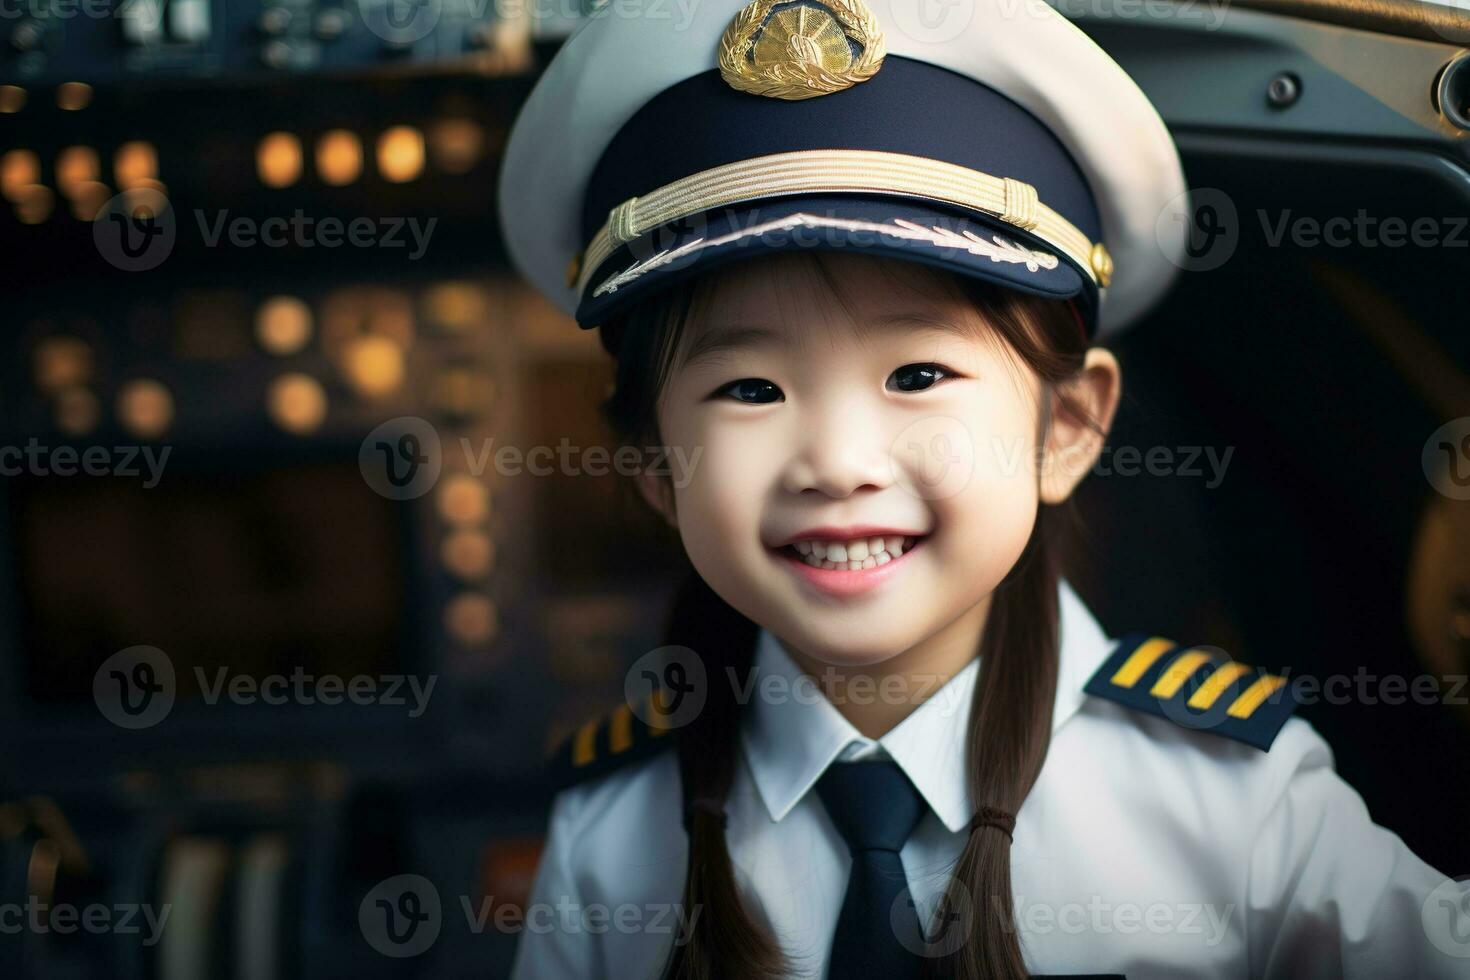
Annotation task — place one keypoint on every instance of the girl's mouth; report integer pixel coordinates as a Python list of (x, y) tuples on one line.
[(853, 554), (852, 565)]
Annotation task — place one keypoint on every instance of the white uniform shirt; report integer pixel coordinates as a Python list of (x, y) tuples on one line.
[(1145, 848)]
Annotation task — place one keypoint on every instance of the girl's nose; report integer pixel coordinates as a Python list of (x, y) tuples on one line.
[(839, 451)]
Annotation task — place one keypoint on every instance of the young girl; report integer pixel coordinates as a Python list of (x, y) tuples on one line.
[(886, 739)]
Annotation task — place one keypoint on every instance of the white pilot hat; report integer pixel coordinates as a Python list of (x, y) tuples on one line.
[(1004, 145)]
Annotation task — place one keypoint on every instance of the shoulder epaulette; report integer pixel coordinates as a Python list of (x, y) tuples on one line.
[(624, 735), (1196, 687)]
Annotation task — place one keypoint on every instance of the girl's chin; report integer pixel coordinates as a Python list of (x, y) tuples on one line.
[(863, 665), (861, 650)]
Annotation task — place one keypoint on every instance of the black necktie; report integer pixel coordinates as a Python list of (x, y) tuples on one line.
[(875, 808)]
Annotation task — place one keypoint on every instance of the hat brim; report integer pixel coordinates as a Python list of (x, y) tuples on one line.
[(954, 239)]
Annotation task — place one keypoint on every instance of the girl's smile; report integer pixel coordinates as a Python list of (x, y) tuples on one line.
[(848, 561)]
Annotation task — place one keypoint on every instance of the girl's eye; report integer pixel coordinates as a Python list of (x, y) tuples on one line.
[(753, 391), (916, 377)]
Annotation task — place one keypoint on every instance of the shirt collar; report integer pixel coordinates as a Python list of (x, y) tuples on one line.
[(792, 733)]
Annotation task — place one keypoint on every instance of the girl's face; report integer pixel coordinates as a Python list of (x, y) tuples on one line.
[(860, 482)]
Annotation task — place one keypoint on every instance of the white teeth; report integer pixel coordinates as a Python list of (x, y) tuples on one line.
[(853, 555)]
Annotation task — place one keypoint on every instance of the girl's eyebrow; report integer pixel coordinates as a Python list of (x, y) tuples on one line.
[(920, 319), (728, 337)]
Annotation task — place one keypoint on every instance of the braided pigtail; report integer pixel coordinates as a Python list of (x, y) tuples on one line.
[(725, 940), (1010, 729)]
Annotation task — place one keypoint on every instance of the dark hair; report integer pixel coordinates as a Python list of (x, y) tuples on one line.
[(1012, 706)]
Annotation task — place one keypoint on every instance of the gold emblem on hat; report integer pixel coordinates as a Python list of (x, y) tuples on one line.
[(799, 49)]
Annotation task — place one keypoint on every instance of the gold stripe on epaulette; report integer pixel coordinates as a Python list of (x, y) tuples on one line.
[(1141, 660), (841, 171), (1209, 692), (1255, 695), (620, 730), (1179, 671), (584, 743)]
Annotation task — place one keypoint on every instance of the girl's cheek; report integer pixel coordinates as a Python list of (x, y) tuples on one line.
[(729, 479), (733, 454), (719, 518), (990, 433), (997, 499)]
